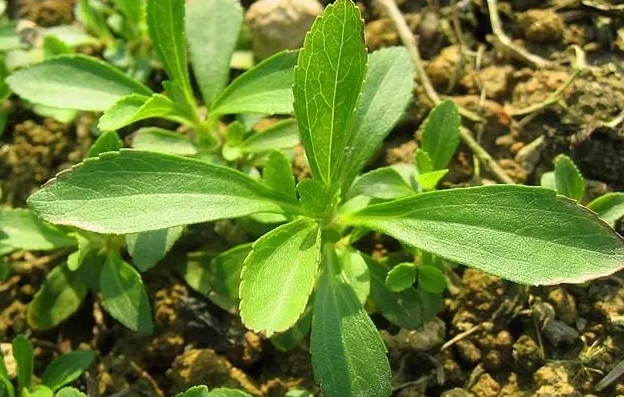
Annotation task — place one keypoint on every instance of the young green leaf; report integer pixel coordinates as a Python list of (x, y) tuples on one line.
[(159, 140), (568, 178), (223, 392), (95, 85), (610, 207), (429, 180), (133, 108), (355, 271), (148, 248), (548, 181), (348, 355), (89, 272), (38, 391), (423, 162), (522, 233), (409, 308), (107, 142), (94, 21), (266, 88), (328, 82), (195, 391), (67, 368), (6, 387), (69, 392), (312, 196), (58, 298), (440, 136), (226, 268), (401, 277), (281, 135), (75, 259), (124, 296), (133, 191), (383, 183), (386, 92), (165, 22), (212, 32), (131, 9), (291, 338), (431, 279), (195, 270), (53, 46), (278, 175), (23, 354), (287, 257), (21, 229)]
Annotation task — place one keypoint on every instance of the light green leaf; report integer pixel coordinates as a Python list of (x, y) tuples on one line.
[(409, 308), (137, 191), (9, 38), (355, 271), (266, 88), (64, 116), (131, 9), (69, 392), (548, 180), (195, 391), (94, 20), (522, 233), (58, 298), (281, 135), (75, 259), (108, 141), (148, 248), (53, 46), (278, 175), (401, 277), (312, 196), (383, 183), (348, 355), (165, 22), (212, 32), (38, 391), (226, 268), (610, 207), (23, 230), (133, 108), (72, 35), (67, 368), (288, 257), (429, 180), (568, 178), (291, 338), (74, 82), (124, 296), (160, 140), (431, 279), (23, 354), (423, 162), (195, 271), (386, 92), (328, 82), (440, 136), (223, 392)]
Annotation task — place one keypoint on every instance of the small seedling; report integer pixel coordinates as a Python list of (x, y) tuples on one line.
[(305, 273), (195, 391), (60, 372)]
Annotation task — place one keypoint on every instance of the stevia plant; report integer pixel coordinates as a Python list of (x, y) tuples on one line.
[(195, 391), (61, 371), (345, 103)]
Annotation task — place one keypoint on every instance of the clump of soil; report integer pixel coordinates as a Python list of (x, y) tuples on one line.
[(45, 12)]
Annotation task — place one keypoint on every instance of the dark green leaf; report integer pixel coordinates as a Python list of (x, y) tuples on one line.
[(226, 268), (266, 88), (58, 298), (21, 229), (89, 271), (74, 82), (160, 140), (383, 183), (610, 207), (134, 191), (212, 31), (386, 92), (288, 257), (278, 175), (281, 135), (328, 82), (348, 355), (133, 108), (401, 277), (124, 295), (312, 196), (568, 178), (521, 233), (107, 142), (67, 368), (23, 354), (440, 136)]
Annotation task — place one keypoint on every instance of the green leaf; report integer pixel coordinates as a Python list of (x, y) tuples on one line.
[(223, 392), (131, 9), (610, 207), (133, 191), (23, 354), (401, 277), (409, 308), (108, 141), (124, 295), (386, 92), (226, 268), (94, 20), (74, 82), (75, 259), (440, 136), (429, 180), (59, 297), (522, 233), (291, 338), (423, 162), (6, 387), (312, 196), (355, 271), (194, 269), (278, 175), (148, 248), (160, 140), (266, 88), (89, 271), (328, 82), (431, 279), (133, 108), (69, 392), (165, 22), (568, 178), (38, 391), (281, 135), (548, 180), (348, 355), (53, 46), (212, 32), (67, 368), (383, 183), (21, 229), (288, 257), (195, 391)]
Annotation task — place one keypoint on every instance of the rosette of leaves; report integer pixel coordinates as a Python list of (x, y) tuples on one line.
[(304, 275)]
